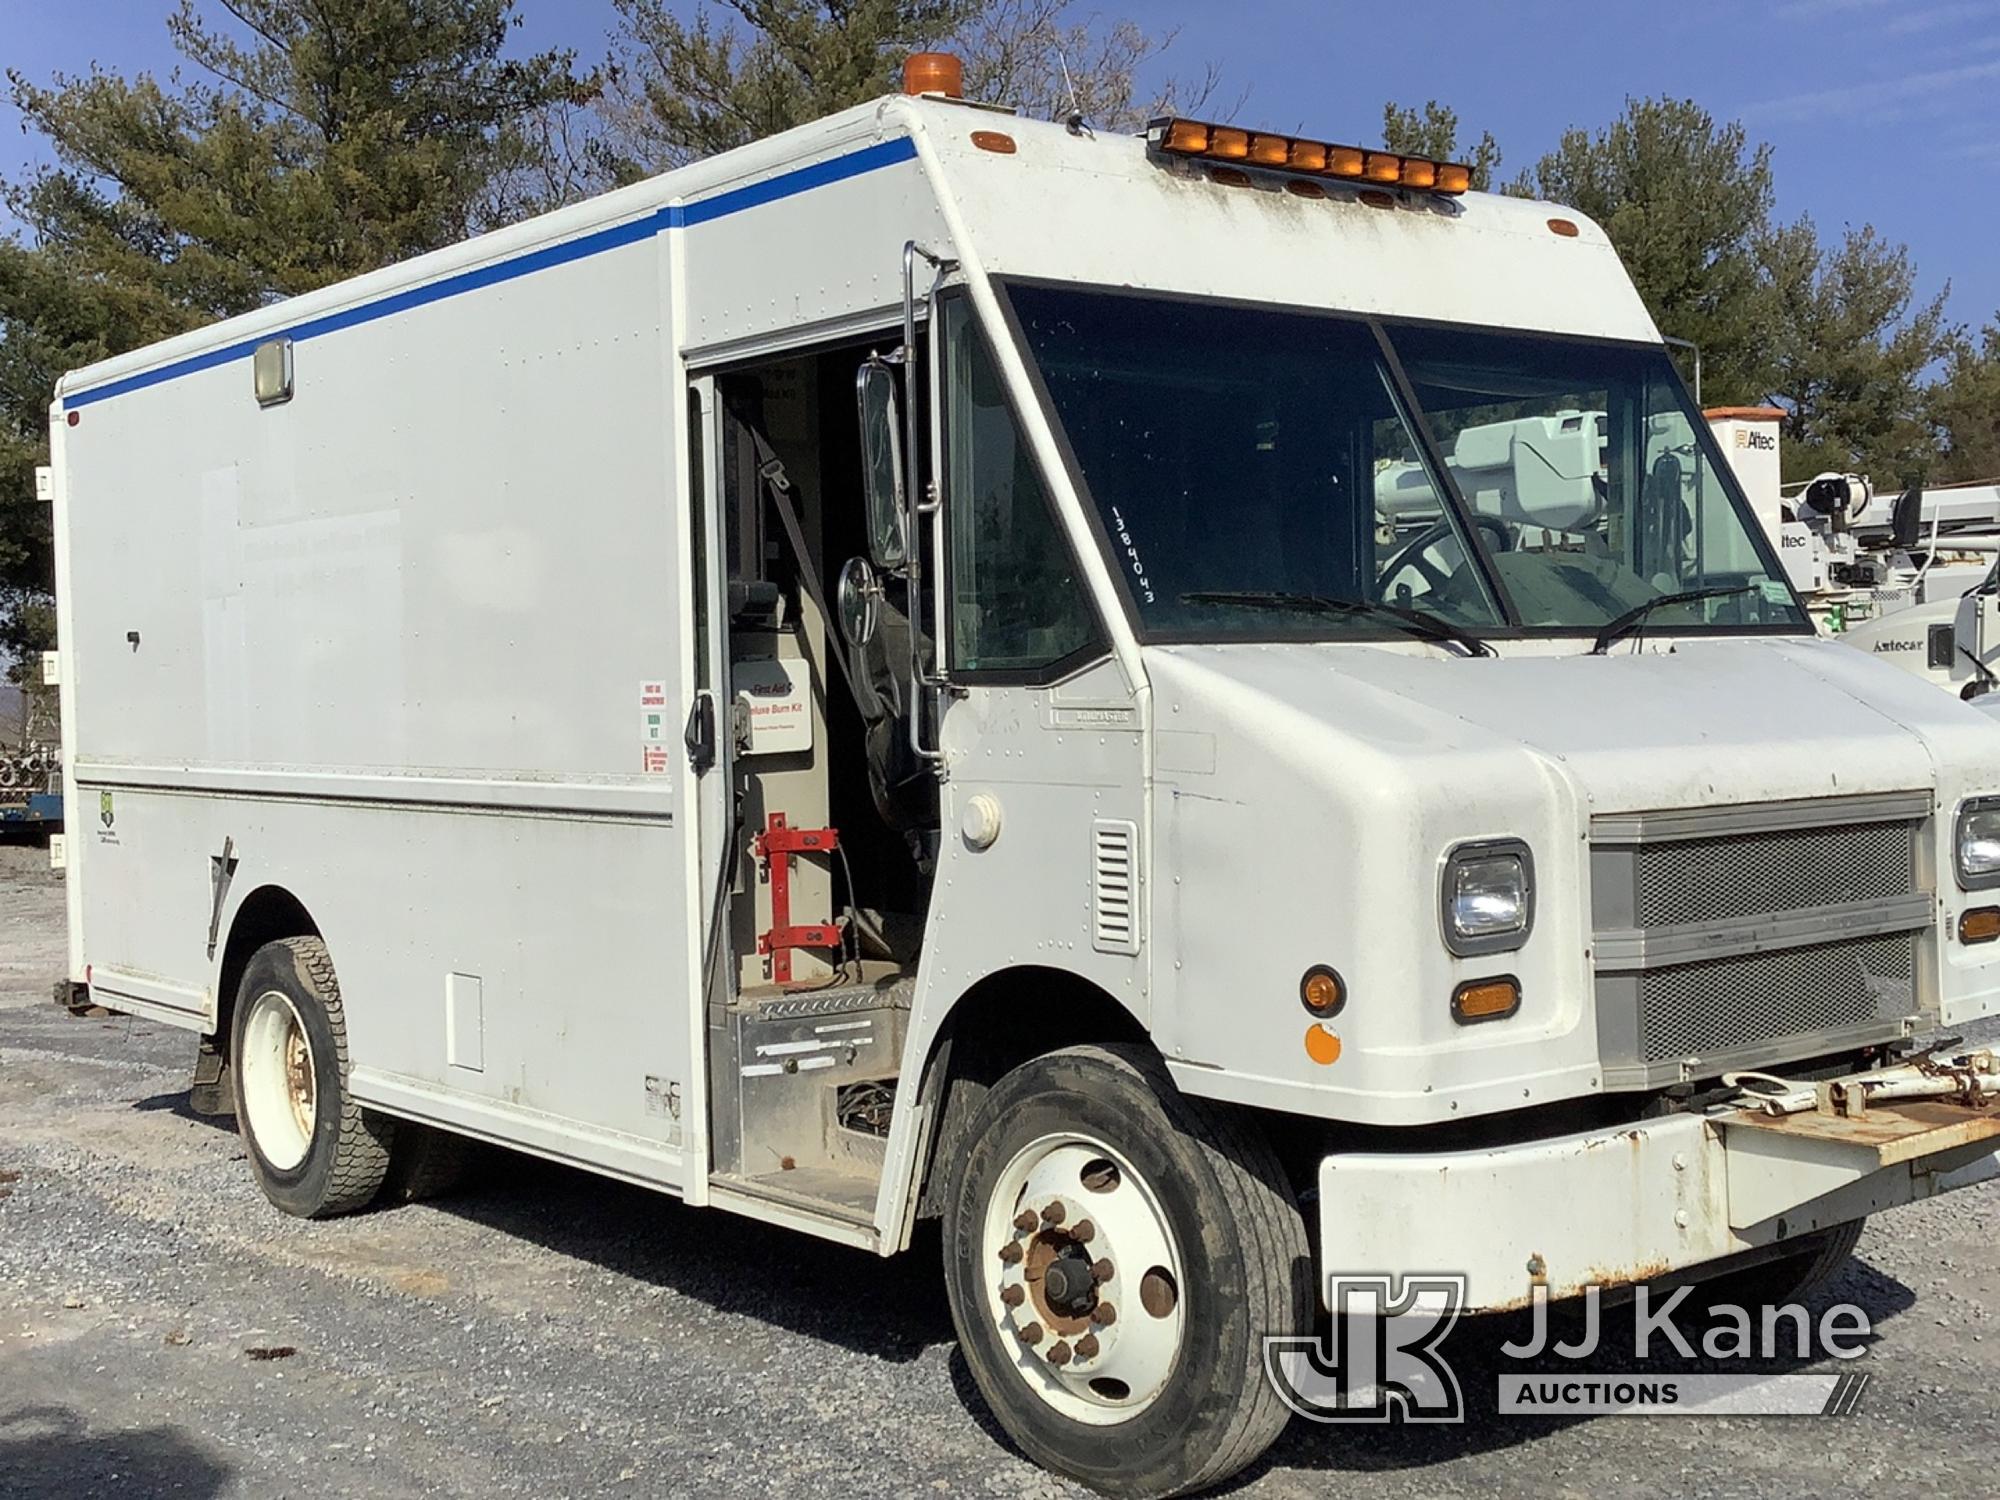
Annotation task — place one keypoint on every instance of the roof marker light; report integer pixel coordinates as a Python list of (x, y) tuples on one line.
[(1383, 166), (1270, 150), (1172, 136), (1228, 143)]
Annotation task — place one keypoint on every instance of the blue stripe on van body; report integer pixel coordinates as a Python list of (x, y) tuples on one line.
[(678, 216)]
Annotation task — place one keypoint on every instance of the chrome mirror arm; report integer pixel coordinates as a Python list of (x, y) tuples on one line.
[(925, 499)]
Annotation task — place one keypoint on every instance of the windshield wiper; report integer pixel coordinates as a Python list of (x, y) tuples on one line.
[(1635, 617), (1417, 622)]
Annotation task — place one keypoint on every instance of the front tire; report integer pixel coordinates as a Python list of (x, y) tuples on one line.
[(1793, 1277), (315, 1151), (1092, 1183)]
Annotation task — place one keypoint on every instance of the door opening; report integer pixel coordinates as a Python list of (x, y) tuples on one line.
[(835, 817)]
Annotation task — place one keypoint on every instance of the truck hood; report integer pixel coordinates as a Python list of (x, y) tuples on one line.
[(1700, 724)]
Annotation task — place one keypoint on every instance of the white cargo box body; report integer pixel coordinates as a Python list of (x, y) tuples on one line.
[(388, 639)]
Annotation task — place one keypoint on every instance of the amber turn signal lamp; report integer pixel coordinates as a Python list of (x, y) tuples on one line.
[(1485, 1000), (1980, 925), (934, 73), (1322, 991)]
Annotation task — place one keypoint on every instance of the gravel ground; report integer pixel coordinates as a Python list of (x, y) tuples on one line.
[(547, 1333)]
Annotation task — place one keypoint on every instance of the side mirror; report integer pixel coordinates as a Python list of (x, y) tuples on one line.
[(857, 604), (882, 463)]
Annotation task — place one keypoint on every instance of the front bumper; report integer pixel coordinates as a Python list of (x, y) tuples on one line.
[(1612, 1207)]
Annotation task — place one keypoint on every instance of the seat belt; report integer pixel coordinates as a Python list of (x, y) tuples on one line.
[(778, 485)]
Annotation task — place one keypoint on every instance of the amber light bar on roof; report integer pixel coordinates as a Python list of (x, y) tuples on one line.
[(1286, 153)]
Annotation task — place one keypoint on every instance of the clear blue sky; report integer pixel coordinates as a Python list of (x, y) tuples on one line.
[(1882, 111)]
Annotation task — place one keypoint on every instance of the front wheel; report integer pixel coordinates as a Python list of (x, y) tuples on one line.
[(1794, 1277), (1115, 1256), (315, 1151)]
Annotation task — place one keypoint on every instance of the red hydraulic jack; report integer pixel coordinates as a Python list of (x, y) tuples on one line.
[(776, 847)]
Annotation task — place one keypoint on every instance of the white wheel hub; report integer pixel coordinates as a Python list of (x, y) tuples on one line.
[(1083, 1279), (280, 1087)]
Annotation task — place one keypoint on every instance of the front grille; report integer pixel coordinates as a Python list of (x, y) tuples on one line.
[(1714, 880), (1749, 936), (1732, 1004)]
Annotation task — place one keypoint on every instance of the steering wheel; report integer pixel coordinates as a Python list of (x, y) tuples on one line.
[(1412, 553)]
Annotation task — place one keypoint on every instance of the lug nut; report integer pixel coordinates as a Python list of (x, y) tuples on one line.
[(1059, 1353), (1013, 1296), (1102, 1270), (1025, 1220), (1055, 1213), (1031, 1334), (1084, 1232), (1086, 1347), (1104, 1315), (1010, 1254)]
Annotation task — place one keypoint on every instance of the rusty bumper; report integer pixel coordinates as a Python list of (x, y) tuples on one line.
[(1612, 1207)]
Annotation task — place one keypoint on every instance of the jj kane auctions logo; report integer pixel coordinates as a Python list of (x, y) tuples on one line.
[(1383, 1359)]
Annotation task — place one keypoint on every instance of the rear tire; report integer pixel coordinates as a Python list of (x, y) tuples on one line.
[(426, 1163), (1196, 1242), (314, 1150)]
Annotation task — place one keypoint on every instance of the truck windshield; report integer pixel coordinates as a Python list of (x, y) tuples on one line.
[(1241, 458)]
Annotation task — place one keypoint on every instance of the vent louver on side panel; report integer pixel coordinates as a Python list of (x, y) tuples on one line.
[(1114, 886)]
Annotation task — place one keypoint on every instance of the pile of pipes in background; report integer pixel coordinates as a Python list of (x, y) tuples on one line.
[(35, 769)]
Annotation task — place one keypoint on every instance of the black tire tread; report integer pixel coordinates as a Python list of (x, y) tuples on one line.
[(363, 1142), (1261, 1204), (1816, 1269), (426, 1162), (1794, 1276)]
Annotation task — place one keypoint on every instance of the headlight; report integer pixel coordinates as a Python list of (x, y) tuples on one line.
[(1488, 901), (1976, 846)]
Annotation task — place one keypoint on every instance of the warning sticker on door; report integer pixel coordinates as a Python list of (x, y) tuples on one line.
[(655, 728)]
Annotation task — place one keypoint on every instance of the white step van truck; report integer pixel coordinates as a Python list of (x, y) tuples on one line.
[(1203, 708)]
